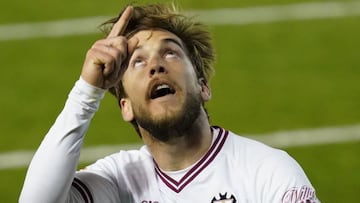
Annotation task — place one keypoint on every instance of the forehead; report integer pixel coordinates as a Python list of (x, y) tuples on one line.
[(156, 35)]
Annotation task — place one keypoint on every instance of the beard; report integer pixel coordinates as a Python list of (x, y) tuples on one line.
[(171, 125)]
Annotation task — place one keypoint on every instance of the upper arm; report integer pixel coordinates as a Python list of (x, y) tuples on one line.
[(281, 179)]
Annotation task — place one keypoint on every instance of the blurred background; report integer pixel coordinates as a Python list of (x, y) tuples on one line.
[(287, 73)]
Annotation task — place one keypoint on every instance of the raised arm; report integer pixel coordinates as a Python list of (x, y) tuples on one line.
[(52, 169)]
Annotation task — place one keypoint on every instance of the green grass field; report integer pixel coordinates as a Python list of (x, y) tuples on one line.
[(269, 77)]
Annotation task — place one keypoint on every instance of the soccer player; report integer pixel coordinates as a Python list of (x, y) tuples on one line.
[(157, 63)]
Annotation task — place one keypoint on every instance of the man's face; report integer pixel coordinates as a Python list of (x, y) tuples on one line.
[(161, 84)]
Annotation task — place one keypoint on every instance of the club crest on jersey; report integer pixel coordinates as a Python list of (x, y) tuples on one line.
[(224, 199)]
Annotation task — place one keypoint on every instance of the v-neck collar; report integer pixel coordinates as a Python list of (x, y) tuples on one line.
[(195, 170)]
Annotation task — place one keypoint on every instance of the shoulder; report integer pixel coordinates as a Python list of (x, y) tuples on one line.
[(273, 172), (113, 177), (245, 148), (247, 154), (256, 154), (122, 160), (117, 168)]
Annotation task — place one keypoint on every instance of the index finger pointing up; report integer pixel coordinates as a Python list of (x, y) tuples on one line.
[(120, 26)]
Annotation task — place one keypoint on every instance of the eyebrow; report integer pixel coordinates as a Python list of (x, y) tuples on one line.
[(169, 40), (166, 40)]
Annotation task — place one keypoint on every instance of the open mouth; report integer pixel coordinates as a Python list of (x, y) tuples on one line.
[(161, 90)]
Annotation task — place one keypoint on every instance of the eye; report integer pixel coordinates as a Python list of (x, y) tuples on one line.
[(138, 63), (170, 53)]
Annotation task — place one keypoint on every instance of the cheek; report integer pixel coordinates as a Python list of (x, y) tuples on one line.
[(134, 90), (131, 82), (191, 77), (190, 71)]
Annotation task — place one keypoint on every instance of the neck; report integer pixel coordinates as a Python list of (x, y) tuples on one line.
[(181, 151)]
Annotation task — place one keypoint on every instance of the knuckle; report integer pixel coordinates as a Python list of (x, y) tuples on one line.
[(119, 43)]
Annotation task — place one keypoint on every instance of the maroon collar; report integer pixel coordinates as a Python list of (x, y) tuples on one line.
[(178, 186)]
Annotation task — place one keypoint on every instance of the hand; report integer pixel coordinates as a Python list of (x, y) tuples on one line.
[(103, 60)]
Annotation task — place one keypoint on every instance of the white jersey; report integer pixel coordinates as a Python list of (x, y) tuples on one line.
[(234, 169)]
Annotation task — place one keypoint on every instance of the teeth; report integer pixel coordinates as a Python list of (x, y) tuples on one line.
[(161, 90), (162, 86)]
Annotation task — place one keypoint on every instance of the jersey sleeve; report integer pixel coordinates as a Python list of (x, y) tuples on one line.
[(53, 166), (91, 187), (281, 179)]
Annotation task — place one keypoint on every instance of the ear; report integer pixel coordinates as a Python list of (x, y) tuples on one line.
[(205, 89), (126, 109)]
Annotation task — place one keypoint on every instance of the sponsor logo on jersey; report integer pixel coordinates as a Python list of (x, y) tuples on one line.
[(224, 199), (305, 194)]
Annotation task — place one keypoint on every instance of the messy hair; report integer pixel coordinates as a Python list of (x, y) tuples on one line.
[(194, 35)]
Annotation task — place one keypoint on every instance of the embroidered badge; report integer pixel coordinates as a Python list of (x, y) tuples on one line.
[(224, 199)]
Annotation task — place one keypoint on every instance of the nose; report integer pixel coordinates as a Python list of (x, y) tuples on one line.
[(157, 67)]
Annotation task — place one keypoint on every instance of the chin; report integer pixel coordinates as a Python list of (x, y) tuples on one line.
[(167, 111), (165, 121)]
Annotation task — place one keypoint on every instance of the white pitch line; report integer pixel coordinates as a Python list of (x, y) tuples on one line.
[(306, 137), (284, 139), (226, 16), (269, 14), (58, 28)]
